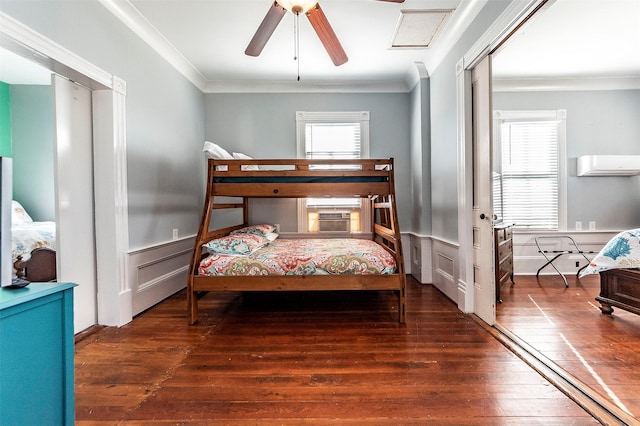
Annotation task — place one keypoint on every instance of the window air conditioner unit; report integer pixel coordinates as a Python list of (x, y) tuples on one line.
[(609, 165), (334, 221)]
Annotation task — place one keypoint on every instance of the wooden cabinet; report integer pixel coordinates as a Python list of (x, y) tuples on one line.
[(36, 355), (503, 240)]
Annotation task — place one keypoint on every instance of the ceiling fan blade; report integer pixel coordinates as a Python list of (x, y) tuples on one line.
[(328, 38), (393, 1), (266, 28)]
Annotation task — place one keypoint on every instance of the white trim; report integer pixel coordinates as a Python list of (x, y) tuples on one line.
[(112, 221), (132, 18), (465, 188)]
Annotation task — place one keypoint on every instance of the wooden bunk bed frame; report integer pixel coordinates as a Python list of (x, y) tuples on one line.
[(371, 179)]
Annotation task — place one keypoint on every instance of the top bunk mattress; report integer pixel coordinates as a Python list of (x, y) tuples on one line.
[(333, 256)]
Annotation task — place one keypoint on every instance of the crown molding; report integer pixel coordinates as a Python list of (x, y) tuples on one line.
[(132, 18), (290, 86), (565, 84)]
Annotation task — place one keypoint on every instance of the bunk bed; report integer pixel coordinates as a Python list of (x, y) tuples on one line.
[(242, 180), (618, 264)]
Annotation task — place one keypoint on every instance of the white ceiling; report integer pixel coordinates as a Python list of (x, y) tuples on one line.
[(575, 38), (207, 39)]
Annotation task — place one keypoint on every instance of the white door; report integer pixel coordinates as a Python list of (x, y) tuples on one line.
[(73, 160), (483, 250)]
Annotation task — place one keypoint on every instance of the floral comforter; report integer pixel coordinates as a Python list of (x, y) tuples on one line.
[(28, 236), (622, 251), (305, 257)]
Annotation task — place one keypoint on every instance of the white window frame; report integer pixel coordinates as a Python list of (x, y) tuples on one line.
[(304, 117), (501, 116)]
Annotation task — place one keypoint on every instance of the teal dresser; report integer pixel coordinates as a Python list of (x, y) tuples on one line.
[(36, 355)]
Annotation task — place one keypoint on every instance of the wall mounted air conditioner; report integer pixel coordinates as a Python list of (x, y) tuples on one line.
[(333, 221), (609, 165)]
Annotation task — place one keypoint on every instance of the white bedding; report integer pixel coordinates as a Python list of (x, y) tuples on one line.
[(622, 251), (27, 235)]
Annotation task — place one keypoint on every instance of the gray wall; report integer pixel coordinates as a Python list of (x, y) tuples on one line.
[(444, 126), (32, 142), (263, 125), (598, 122), (165, 114), (421, 158)]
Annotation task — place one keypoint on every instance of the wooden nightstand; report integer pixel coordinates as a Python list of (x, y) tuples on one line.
[(503, 240)]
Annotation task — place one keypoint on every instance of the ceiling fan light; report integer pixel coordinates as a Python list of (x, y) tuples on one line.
[(297, 6)]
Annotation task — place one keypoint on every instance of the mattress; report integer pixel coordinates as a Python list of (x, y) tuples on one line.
[(333, 256)]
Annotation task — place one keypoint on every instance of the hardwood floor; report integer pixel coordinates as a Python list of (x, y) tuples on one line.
[(321, 358), (567, 327)]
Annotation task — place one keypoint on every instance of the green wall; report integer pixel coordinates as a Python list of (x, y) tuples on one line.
[(5, 120)]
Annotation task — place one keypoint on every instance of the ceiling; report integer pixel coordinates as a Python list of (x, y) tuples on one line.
[(206, 41)]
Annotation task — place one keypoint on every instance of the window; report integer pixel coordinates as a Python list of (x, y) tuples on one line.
[(332, 135), (530, 177)]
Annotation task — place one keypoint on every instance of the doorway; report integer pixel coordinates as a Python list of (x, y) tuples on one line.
[(495, 42), (109, 201)]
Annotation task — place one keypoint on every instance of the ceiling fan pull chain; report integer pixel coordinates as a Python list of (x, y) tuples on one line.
[(296, 41)]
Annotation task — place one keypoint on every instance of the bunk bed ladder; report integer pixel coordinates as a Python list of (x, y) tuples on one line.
[(386, 230)]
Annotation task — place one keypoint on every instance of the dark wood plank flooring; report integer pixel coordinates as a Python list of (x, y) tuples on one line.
[(329, 358), (566, 326)]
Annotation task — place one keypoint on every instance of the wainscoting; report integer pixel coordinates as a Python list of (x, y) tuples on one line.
[(158, 272), (435, 262), (527, 260)]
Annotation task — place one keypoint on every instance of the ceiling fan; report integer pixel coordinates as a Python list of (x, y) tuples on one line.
[(316, 17)]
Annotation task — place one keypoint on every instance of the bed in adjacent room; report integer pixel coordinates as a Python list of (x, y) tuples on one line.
[(618, 264), (33, 246)]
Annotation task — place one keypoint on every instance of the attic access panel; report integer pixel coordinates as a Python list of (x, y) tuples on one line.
[(417, 29)]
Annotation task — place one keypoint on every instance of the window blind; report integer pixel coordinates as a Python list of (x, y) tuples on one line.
[(530, 174), (332, 141)]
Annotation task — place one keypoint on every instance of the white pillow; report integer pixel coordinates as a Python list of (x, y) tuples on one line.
[(241, 156), (215, 151), (19, 215)]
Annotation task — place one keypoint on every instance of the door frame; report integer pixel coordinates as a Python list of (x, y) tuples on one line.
[(507, 23), (110, 172)]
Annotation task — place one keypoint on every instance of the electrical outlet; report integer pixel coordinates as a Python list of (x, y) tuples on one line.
[(578, 226), (592, 225), (175, 233), (277, 225)]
